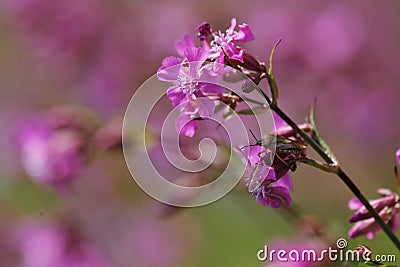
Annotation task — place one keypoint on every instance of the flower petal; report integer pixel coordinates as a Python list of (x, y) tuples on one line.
[(244, 34), (206, 107), (169, 70), (176, 95), (185, 125), (354, 204), (196, 57), (194, 54), (181, 45), (233, 25), (234, 52), (253, 154), (285, 181), (282, 192), (395, 222)]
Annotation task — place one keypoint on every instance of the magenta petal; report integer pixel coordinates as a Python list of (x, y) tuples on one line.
[(181, 45), (233, 25), (176, 95), (169, 70), (185, 125), (238, 56), (366, 227), (274, 202), (285, 181), (219, 64), (196, 57), (244, 34), (212, 88), (265, 174), (354, 204), (230, 49), (283, 193), (384, 192), (395, 222), (206, 107), (270, 176), (253, 156), (279, 122), (194, 54), (273, 196)]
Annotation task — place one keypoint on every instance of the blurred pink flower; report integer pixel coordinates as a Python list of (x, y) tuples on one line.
[(334, 38), (398, 156), (53, 146), (58, 29), (47, 244), (86, 42)]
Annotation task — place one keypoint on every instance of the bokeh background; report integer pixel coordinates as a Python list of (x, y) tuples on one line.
[(95, 53)]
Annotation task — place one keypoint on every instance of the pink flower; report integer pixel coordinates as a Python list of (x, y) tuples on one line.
[(388, 208), (398, 156), (193, 84), (223, 43), (262, 181)]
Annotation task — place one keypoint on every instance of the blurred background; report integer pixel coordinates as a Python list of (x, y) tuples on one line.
[(85, 58)]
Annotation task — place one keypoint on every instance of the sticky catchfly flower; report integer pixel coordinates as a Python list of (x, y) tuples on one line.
[(193, 83), (261, 179)]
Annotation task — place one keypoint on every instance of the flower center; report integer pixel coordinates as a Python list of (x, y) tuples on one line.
[(186, 83)]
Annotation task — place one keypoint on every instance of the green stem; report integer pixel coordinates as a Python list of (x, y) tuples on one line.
[(319, 165)]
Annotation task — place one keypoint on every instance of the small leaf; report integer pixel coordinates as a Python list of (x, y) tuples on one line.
[(271, 78), (318, 136), (253, 111), (228, 113)]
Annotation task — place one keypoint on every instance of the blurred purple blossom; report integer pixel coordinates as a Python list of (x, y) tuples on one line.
[(53, 146), (48, 244), (388, 207), (87, 42)]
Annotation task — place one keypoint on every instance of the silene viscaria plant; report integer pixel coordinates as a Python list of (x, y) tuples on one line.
[(267, 176)]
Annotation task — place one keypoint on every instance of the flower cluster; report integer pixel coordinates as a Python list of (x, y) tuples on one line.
[(195, 73), (223, 49), (388, 208)]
